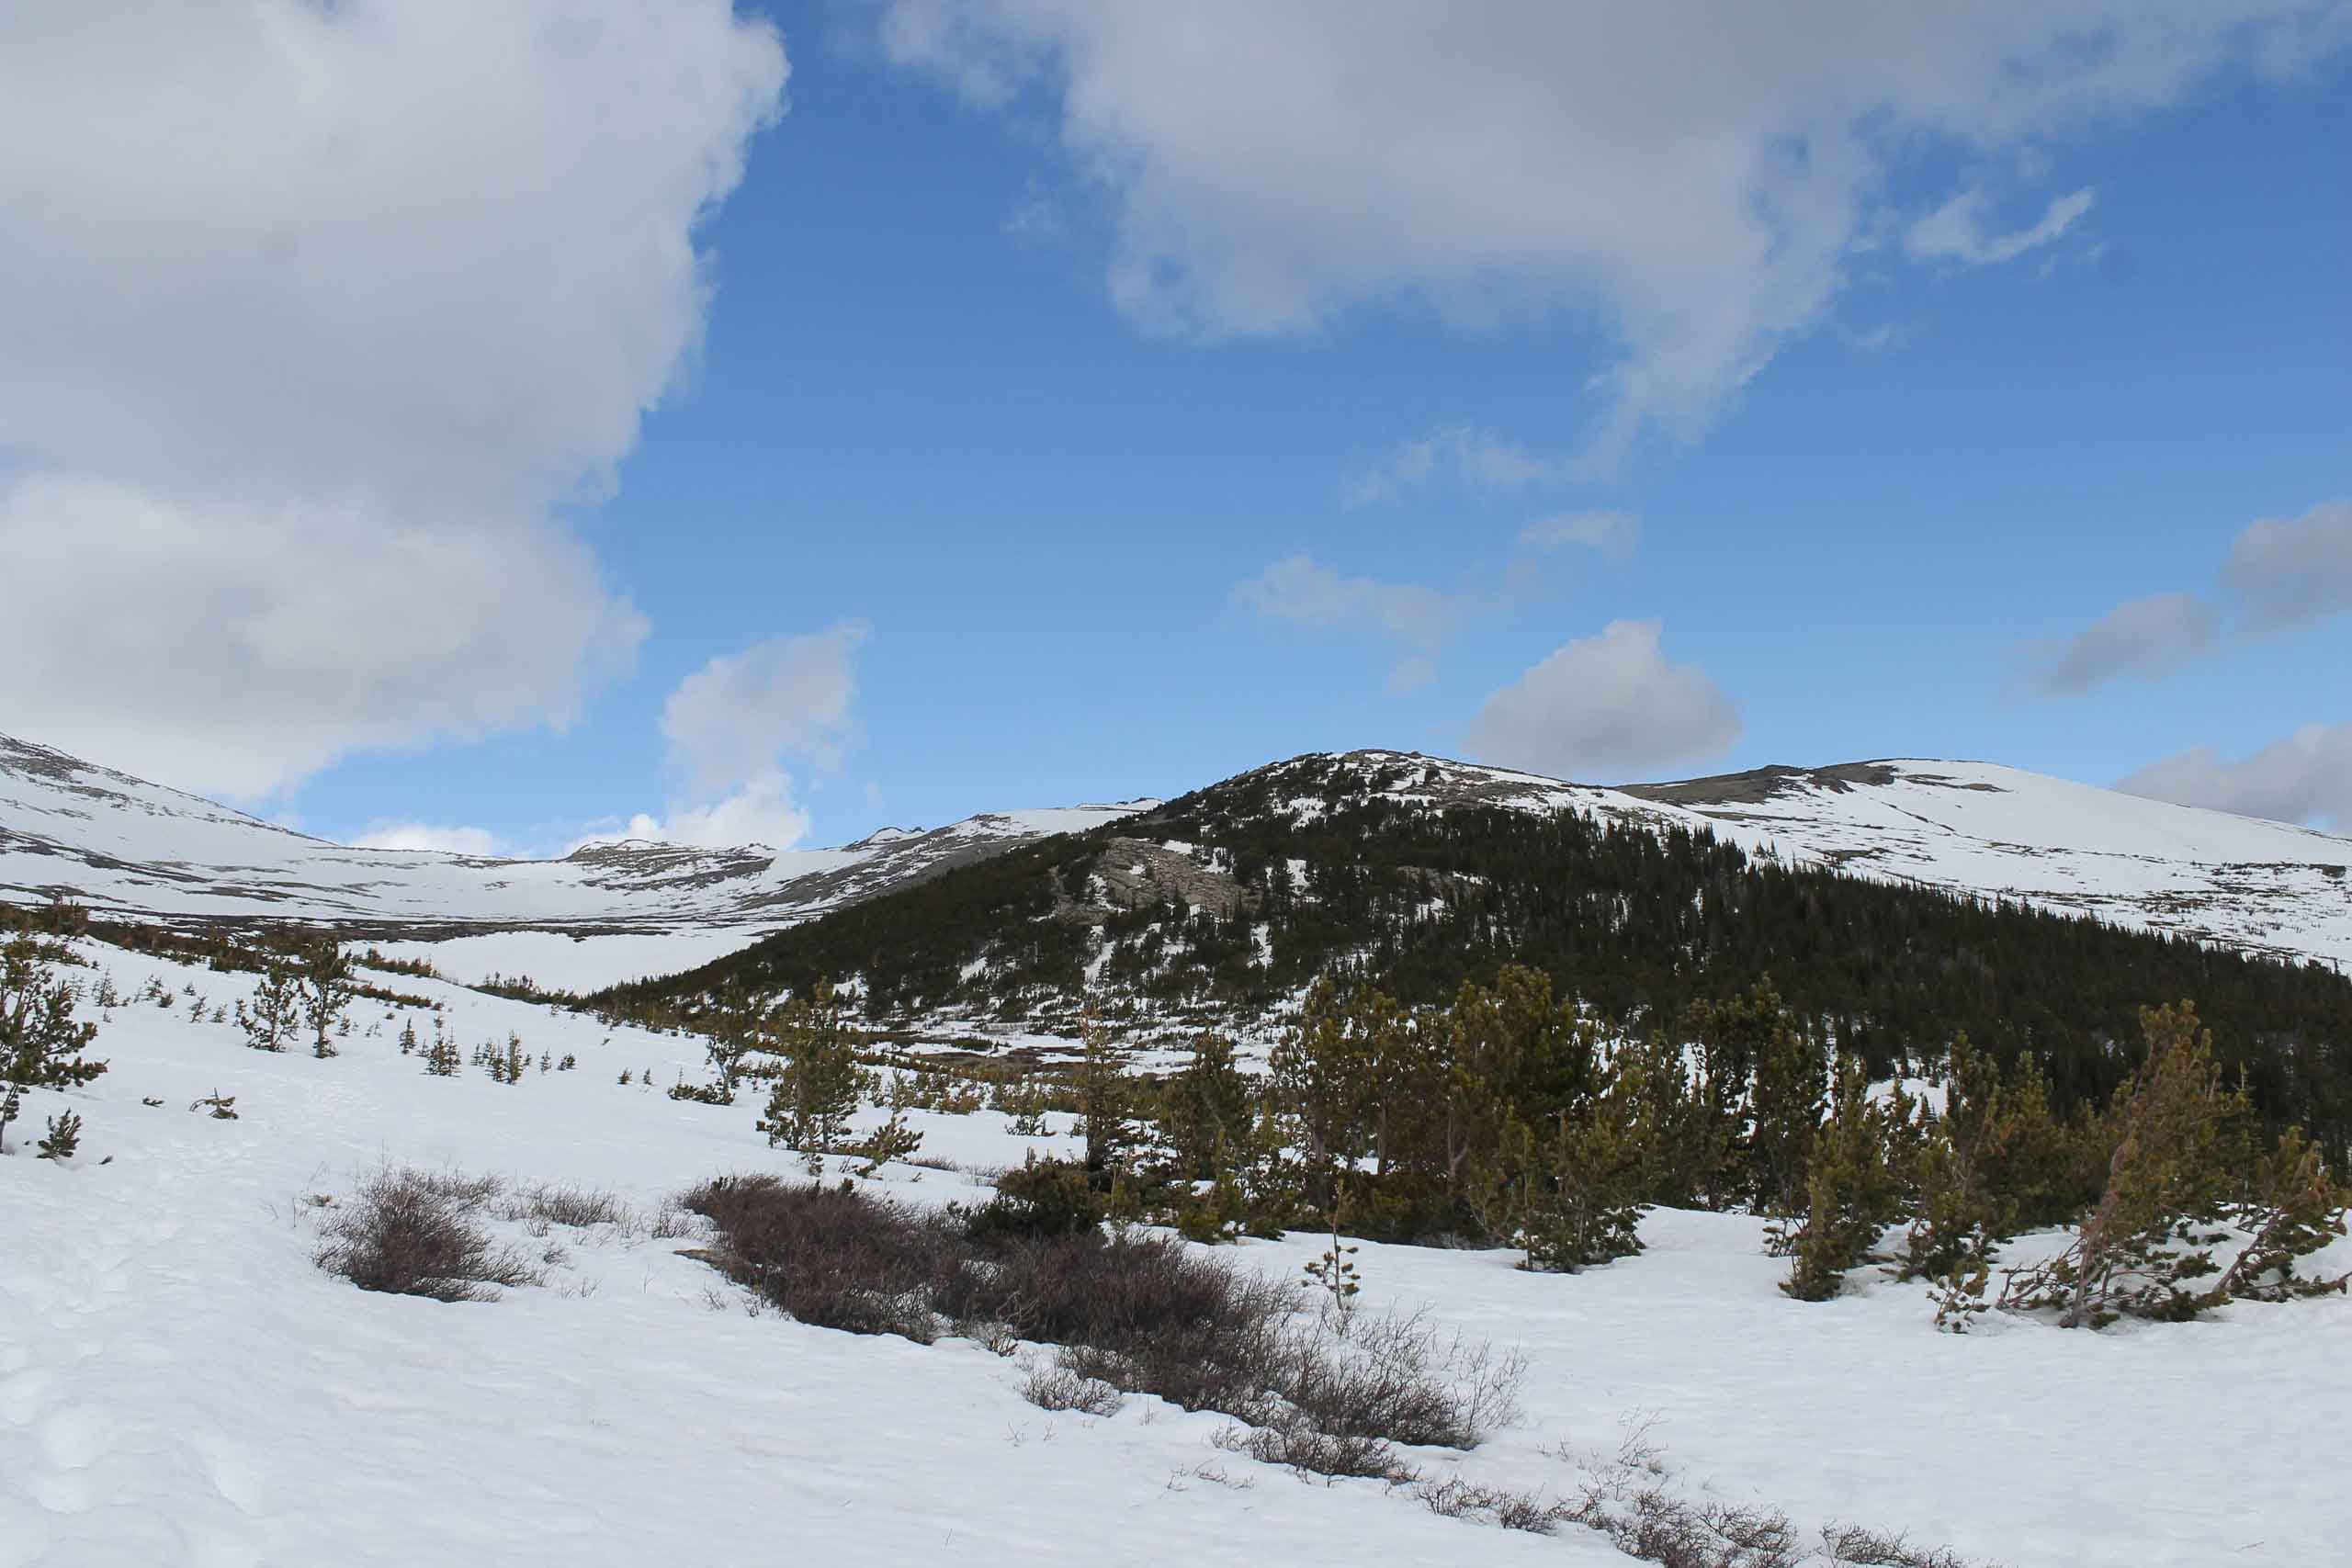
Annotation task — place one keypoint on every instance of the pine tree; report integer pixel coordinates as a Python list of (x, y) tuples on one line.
[(1854, 1183), (1785, 1104), (2180, 1140), (40, 1042), (817, 1091), (324, 985), (1105, 1099), (269, 1018), (1208, 1109)]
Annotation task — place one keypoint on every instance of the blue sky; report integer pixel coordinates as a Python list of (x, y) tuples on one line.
[(1028, 348)]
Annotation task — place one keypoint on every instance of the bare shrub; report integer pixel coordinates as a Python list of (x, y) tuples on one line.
[(1628, 1500), (1455, 1498), (1295, 1443), (830, 1257), (466, 1191), (405, 1232), (1134, 1313), (576, 1207), (1402, 1378), (1851, 1544), (1058, 1387)]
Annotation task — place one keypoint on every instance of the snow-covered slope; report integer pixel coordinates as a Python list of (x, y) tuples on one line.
[(612, 912), (2236, 881), (179, 1385), (608, 912)]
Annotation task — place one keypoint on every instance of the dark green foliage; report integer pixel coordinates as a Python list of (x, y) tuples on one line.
[(1996, 1162), (323, 988), (63, 1137), (1854, 1183), (40, 1042), (2187, 1181), (817, 1091), (1043, 1197), (1206, 1114), (269, 1018), (1639, 924)]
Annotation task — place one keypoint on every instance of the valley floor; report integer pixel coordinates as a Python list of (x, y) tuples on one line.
[(179, 1384)]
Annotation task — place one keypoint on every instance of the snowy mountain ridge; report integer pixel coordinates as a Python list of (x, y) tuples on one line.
[(123, 846), (616, 909), (1971, 827)]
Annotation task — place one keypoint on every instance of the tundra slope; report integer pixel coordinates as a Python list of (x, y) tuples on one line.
[(607, 911), (613, 912)]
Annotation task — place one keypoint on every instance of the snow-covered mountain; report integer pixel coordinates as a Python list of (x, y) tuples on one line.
[(607, 911), (2237, 881), (613, 912)]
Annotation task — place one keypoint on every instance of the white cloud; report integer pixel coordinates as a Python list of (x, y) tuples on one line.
[(2307, 777), (1959, 230), (1610, 706), (480, 842), (1459, 455), (729, 721), (1615, 535), (2286, 574), (2148, 637), (730, 725), (317, 318), (762, 810), (2279, 575), (1697, 178), (1305, 591)]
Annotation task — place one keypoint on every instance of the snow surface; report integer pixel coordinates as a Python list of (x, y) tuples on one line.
[(605, 913), (178, 1384)]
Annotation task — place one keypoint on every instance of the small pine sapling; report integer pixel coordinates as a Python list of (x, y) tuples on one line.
[(1334, 1273), (269, 1018), (64, 1137)]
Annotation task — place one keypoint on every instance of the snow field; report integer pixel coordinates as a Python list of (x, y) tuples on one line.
[(179, 1384)]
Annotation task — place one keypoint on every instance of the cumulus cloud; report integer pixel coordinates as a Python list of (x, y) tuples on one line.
[(760, 810), (2306, 777), (1615, 535), (319, 318), (480, 842), (1303, 591), (1961, 231), (730, 726), (1608, 706), (1696, 179), (2281, 574), (1457, 454), (2148, 637), (729, 721), (2284, 573)]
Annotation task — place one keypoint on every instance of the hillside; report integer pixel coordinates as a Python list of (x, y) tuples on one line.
[(1220, 906), (179, 1384), (607, 911)]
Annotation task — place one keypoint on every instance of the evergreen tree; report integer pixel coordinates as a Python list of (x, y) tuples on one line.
[(40, 1043), (1854, 1186), (2179, 1139), (1208, 1109), (817, 1091), (325, 984), (1106, 1100), (1322, 1081), (270, 1017)]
